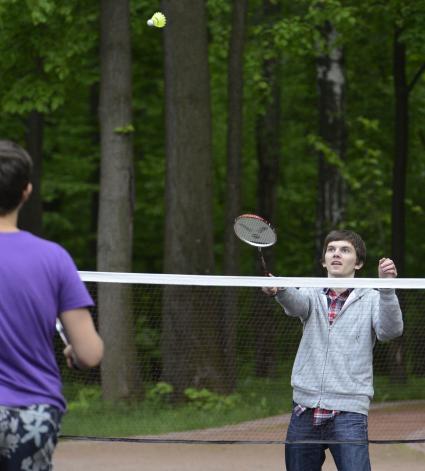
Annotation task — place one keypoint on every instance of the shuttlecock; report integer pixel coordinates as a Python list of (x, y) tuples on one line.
[(158, 20)]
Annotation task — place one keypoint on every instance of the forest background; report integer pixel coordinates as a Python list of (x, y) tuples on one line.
[(148, 142)]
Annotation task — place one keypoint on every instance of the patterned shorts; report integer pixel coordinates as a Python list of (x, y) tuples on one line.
[(28, 436)]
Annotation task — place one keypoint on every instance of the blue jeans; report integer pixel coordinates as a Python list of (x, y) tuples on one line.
[(345, 427)]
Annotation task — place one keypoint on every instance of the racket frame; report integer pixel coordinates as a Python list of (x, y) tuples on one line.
[(264, 223), (259, 246)]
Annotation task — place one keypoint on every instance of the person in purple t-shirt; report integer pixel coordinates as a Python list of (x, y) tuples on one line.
[(38, 283)]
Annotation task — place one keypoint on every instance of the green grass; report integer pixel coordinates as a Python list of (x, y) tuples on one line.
[(386, 391), (89, 415), (254, 399)]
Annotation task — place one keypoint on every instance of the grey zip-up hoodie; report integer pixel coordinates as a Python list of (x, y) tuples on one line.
[(333, 368)]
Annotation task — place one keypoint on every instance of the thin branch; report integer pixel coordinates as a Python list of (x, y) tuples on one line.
[(417, 76)]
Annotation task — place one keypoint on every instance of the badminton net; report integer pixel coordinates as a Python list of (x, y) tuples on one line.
[(209, 359)]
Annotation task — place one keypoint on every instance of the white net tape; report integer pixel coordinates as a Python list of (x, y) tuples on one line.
[(251, 281)]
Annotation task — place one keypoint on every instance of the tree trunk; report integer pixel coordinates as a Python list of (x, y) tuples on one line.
[(332, 130), (401, 144), (191, 346), (31, 215), (94, 177), (116, 201), (233, 185), (268, 153), (398, 221)]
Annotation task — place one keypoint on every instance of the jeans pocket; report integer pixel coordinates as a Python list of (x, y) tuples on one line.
[(351, 426)]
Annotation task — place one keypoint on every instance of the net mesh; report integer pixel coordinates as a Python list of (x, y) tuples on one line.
[(193, 358)]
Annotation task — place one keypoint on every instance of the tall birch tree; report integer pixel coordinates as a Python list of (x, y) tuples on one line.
[(332, 131)]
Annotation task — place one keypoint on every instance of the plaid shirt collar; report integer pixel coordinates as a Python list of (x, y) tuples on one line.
[(331, 292), (335, 302)]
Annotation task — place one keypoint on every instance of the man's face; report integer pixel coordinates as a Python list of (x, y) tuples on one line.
[(341, 260)]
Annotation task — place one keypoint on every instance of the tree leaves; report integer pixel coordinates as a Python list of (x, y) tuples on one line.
[(49, 51)]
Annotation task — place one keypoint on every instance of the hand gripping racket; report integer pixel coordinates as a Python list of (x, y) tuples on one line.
[(256, 231), (60, 330)]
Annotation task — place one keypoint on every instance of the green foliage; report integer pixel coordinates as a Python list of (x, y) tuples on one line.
[(43, 44), (385, 391), (147, 338), (86, 396), (159, 394), (50, 64), (127, 129), (206, 400), (41, 10), (256, 398), (342, 15), (253, 399)]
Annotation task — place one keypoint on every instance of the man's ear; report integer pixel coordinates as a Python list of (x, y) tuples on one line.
[(358, 265), (27, 192)]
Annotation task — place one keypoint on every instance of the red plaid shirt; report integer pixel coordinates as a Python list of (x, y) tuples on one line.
[(335, 303)]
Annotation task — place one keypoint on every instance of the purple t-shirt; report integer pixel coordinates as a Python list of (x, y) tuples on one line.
[(38, 281)]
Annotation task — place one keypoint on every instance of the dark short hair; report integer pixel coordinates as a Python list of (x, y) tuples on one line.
[(15, 174), (347, 236)]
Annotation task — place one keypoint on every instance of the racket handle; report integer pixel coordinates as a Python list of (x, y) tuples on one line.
[(263, 263), (60, 330)]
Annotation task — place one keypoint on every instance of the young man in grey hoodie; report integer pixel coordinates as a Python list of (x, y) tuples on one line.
[(332, 376)]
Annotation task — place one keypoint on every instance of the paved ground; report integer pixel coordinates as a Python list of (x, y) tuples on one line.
[(85, 456)]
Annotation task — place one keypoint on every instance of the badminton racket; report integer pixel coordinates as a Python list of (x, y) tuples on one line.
[(60, 330), (256, 231)]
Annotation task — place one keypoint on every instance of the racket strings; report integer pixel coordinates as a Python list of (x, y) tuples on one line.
[(255, 231)]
